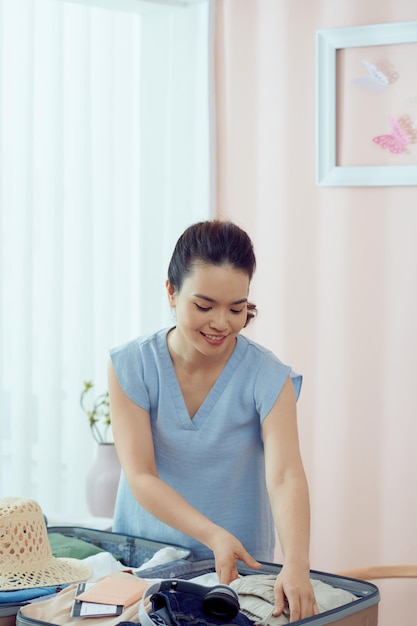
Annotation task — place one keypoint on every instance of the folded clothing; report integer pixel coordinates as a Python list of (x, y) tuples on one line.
[(71, 547), (24, 595), (256, 598), (56, 610), (162, 556)]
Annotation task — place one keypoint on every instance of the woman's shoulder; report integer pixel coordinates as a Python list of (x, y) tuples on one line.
[(255, 350), (266, 365), (141, 344)]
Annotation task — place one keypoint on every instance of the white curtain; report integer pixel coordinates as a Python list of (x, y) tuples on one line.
[(104, 160)]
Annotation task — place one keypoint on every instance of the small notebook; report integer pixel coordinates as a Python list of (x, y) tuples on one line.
[(112, 590)]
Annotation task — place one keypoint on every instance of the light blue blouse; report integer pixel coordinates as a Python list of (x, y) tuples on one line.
[(215, 460)]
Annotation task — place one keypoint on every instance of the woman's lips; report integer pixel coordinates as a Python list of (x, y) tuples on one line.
[(214, 339)]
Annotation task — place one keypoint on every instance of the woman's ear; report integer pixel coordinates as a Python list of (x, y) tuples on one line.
[(171, 294)]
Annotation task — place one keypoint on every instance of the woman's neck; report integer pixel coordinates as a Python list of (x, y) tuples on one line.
[(189, 359)]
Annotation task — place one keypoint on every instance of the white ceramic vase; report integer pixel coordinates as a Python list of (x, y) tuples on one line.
[(102, 481)]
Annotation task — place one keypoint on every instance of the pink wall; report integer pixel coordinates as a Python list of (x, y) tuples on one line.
[(336, 283)]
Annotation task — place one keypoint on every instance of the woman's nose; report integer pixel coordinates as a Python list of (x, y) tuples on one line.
[(219, 321)]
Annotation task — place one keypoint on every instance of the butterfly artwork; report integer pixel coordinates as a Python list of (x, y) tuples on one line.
[(375, 81), (403, 133)]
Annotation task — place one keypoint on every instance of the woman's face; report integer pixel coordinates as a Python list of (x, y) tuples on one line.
[(211, 308)]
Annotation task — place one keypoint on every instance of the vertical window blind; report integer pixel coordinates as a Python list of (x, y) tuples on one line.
[(104, 160)]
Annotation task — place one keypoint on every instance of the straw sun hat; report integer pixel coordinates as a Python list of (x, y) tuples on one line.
[(26, 558)]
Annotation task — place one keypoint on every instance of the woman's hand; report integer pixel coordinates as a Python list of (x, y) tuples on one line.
[(293, 590), (227, 551)]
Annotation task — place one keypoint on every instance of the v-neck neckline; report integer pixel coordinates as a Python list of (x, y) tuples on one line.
[(205, 408)]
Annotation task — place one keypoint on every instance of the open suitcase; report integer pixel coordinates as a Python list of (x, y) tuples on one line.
[(135, 551)]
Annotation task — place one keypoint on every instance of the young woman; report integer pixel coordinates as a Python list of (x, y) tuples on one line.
[(204, 422)]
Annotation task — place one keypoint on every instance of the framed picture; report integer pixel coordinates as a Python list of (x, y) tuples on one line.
[(367, 105)]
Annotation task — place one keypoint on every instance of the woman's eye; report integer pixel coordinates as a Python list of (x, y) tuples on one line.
[(203, 308), (235, 311)]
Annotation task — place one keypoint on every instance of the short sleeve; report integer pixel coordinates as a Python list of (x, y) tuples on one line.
[(297, 380), (129, 369), (270, 380)]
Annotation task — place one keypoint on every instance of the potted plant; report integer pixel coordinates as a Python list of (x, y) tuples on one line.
[(103, 476), (98, 414)]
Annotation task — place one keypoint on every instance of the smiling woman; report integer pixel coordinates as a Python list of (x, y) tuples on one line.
[(204, 422), (105, 126), (217, 324)]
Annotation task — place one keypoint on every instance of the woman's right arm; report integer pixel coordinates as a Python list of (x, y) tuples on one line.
[(134, 443)]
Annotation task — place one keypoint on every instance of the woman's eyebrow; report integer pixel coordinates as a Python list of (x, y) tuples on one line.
[(202, 297)]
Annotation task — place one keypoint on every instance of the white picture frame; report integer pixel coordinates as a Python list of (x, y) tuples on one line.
[(328, 173)]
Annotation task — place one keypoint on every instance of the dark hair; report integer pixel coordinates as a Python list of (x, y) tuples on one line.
[(213, 242)]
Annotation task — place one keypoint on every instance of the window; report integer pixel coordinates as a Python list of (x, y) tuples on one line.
[(104, 160)]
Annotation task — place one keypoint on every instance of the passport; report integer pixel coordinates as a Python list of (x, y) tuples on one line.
[(118, 591)]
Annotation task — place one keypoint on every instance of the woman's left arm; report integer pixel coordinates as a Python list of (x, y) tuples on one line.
[(289, 498)]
